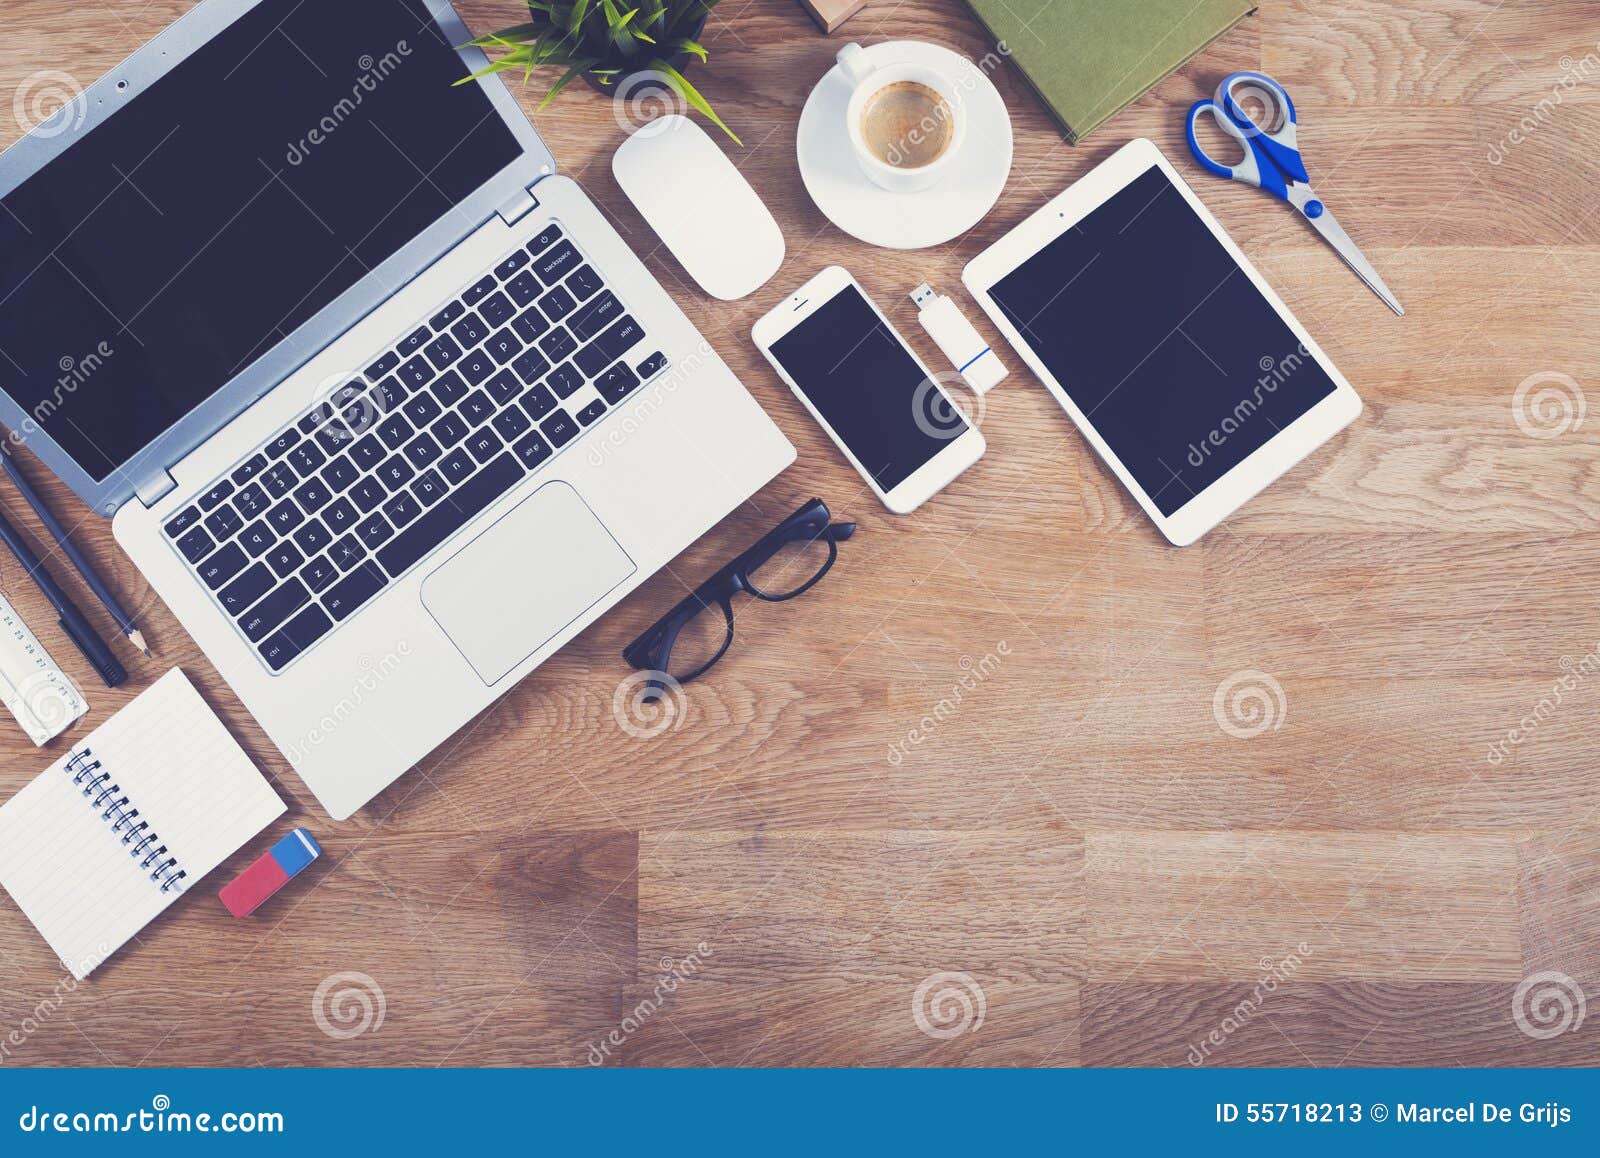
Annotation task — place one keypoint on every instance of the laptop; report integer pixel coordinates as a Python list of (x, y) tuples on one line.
[(380, 404)]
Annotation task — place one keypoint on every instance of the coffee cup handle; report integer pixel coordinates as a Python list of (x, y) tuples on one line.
[(855, 63)]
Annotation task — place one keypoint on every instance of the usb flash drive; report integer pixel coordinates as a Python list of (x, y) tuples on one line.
[(977, 364)]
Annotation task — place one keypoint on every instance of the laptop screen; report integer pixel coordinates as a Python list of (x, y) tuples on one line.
[(224, 206)]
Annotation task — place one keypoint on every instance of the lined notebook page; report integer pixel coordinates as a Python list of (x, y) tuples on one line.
[(172, 759)]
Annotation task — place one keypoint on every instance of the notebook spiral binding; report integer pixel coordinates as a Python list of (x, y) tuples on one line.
[(106, 798)]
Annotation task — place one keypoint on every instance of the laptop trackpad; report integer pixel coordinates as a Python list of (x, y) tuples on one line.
[(525, 577)]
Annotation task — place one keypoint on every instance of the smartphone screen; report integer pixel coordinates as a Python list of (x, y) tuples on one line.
[(868, 388)]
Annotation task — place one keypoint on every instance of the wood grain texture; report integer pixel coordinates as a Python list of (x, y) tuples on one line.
[(981, 771)]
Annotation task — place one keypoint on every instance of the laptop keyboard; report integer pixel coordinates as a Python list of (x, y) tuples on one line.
[(301, 534)]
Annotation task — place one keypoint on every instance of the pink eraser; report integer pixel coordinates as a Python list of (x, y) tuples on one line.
[(271, 871)]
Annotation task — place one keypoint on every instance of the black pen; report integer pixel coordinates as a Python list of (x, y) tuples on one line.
[(94, 649), (74, 556)]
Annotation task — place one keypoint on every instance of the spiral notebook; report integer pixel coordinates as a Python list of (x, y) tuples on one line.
[(103, 840)]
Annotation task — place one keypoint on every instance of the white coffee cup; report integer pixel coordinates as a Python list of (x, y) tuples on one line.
[(867, 80)]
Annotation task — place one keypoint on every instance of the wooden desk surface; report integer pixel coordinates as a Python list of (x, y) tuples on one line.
[(1118, 876)]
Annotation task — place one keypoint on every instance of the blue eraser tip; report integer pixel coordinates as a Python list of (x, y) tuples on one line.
[(295, 851)]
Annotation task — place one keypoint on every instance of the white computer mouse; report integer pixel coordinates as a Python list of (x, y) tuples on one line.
[(701, 206)]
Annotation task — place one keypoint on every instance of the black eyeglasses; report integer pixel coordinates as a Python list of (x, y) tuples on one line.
[(787, 562)]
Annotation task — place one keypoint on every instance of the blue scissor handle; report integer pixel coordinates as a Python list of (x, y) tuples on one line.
[(1254, 168), (1280, 143)]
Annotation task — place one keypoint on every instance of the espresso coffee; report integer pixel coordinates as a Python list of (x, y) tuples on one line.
[(907, 125)]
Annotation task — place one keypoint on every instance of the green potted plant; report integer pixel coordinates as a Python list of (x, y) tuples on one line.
[(615, 48)]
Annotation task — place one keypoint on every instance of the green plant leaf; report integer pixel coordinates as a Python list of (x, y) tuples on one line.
[(693, 48), (580, 9), (692, 95), (579, 65)]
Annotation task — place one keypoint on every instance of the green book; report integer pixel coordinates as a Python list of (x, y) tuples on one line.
[(1088, 59)]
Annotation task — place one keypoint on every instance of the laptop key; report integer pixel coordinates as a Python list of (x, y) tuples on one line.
[(313, 495), (332, 437), (503, 387), (478, 291), (416, 373), (621, 337), (215, 495), (538, 402), (339, 474), (558, 344), (276, 480), (344, 598), (368, 452), (395, 472), (457, 466), (319, 573), (340, 516), (503, 347), (616, 382), (218, 568), (555, 263), (402, 508), (374, 530), (307, 458), (347, 552), (196, 545), (395, 430), (257, 538), (551, 235), (422, 450), (182, 521), (253, 500), (309, 422), (652, 365), (449, 430), (284, 558), (294, 637), (531, 365), (592, 412), (532, 450), (497, 309), (388, 395), (469, 331), (510, 423), (596, 316), (447, 315), (248, 470), (557, 304), (450, 515), (476, 407), (285, 517), (442, 351), (511, 264), (283, 444), (422, 409), (523, 288), (529, 324), (484, 444), (273, 609), (564, 379), (449, 388), (476, 366), (559, 428), (243, 593), (367, 494), (584, 283), (428, 487), (312, 537), (382, 366), (414, 341), (223, 522)]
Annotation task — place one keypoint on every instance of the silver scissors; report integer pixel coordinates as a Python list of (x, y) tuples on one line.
[(1272, 162)]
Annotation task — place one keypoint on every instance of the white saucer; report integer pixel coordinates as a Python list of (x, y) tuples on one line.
[(906, 220)]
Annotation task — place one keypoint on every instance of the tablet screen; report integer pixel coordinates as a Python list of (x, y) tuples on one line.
[(1161, 340)]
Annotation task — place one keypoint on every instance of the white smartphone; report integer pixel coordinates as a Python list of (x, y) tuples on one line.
[(881, 406)]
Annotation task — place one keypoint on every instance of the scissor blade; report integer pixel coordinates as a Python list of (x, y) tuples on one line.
[(1333, 233)]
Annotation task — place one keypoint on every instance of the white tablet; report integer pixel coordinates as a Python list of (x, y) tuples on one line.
[(1185, 372)]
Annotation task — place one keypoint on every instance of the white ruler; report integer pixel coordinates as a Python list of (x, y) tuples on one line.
[(39, 694)]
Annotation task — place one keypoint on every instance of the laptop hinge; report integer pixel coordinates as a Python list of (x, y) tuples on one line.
[(518, 207), (154, 485)]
